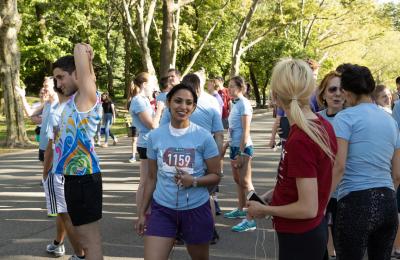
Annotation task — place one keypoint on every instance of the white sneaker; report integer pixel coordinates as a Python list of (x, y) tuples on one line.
[(57, 250), (132, 159), (75, 257)]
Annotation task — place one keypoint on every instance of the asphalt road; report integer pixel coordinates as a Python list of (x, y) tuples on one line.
[(25, 229)]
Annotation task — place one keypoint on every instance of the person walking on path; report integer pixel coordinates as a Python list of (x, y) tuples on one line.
[(109, 116)]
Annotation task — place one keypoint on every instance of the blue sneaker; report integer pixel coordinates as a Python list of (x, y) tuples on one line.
[(236, 213), (245, 225)]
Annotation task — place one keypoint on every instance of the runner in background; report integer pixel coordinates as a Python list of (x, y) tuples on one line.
[(133, 91), (224, 93), (331, 99), (241, 152), (145, 119)]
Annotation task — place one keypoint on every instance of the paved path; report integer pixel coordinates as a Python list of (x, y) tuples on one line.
[(25, 230)]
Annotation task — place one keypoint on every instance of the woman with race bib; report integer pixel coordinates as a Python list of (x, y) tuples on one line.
[(183, 161)]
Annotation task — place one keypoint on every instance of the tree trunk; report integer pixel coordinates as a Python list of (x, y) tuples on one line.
[(167, 37), (238, 42), (10, 23), (128, 55), (144, 29), (110, 55), (40, 9), (264, 89), (175, 36), (255, 85), (110, 50)]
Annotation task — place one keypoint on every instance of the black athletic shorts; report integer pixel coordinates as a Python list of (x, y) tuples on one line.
[(41, 155), (134, 132), (84, 198), (142, 152)]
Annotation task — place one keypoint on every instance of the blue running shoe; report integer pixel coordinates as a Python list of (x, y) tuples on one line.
[(245, 225), (236, 213)]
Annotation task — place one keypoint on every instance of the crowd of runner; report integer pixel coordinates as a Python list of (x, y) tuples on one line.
[(335, 191)]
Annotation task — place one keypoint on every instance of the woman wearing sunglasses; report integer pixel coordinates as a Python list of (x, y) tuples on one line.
[(331, 98)]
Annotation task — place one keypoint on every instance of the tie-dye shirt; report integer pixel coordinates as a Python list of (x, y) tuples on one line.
[(74, 146)]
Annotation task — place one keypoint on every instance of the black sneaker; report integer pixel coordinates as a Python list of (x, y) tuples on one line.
[(218, 210), (215, 238), (178, 240)]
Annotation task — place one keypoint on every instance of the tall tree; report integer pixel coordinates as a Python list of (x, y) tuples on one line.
[(10, 23), (237, 49)]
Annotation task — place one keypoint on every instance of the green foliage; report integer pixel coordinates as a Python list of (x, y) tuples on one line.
[(335, 32)]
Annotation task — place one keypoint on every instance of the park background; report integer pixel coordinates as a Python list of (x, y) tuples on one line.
[(225, 37)]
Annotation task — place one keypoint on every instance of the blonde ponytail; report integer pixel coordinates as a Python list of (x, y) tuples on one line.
[(292, 82)]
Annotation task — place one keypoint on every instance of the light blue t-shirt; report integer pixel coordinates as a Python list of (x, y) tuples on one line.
[(373, 136), (141, 104), (188, 152), (241, 107), (325, 116), (396, 112), (206, 114), (46, 127), (162, 97)]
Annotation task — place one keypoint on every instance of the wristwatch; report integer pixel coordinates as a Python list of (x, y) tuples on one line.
[(194, 184)]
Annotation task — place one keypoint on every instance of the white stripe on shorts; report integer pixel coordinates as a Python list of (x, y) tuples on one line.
[(54, 191)]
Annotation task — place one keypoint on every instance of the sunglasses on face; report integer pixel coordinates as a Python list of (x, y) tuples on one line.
[(335, 89)]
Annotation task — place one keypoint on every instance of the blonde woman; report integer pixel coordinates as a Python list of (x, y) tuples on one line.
[(304, 178)]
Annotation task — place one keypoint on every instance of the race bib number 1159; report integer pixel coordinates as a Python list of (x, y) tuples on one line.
[(179, 157)]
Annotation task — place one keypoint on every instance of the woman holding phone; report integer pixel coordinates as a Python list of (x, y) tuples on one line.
[(183, 161), (304, 176)]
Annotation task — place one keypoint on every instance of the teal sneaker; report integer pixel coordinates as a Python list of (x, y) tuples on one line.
[(245, 225), (236, 213)]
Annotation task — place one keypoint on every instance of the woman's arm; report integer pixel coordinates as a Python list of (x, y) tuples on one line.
[(274, 130), (149, 187), (396, 168), (246, 131), (340, 162), (152, 122), (306, 207), (27, 108)]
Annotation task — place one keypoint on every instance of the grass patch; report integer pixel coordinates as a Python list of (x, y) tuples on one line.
[(119, 128)]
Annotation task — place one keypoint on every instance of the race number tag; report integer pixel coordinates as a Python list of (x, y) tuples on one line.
[(182, 158)]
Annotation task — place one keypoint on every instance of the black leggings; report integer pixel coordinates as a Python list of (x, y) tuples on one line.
[(366, 220), (310, 245)]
